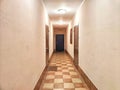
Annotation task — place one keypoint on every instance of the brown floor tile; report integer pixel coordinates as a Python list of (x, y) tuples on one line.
[(67, 80), (79, 85), (50, 72), (69, 89), (46, 89), (75, 76), (58, 76), (49, 81), (58, 85), (66, 73)]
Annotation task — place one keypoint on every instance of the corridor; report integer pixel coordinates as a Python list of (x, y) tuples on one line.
[(61, 74), (59, 44)]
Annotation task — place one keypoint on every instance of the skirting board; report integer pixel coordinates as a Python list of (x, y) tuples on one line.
[(84, 76), (38, 85), (69, 54), (86, 79)]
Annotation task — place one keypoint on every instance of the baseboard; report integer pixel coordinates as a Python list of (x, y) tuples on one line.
[(84, 76), (86, 79), (51, 56), (69, 55), (37, 87)]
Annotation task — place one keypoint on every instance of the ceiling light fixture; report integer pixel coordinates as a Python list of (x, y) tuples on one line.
[(61, 11)]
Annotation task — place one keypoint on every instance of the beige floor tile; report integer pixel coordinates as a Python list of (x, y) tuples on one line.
[(73, 73), (59, 89), (71, 68), (50, 77), (76, 80), (69, 64), (48, 86), (65, 70), (80, 89), (68, 85), (58, 73), (58, 81), (66, 76)]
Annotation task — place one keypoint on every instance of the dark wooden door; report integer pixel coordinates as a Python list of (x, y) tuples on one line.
[(60, 42), (47, 44), (76, 44)]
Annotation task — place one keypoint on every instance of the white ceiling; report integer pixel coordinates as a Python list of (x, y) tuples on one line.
[(52, 7)]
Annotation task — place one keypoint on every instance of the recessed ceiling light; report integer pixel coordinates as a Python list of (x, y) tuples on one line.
[(61, 11)]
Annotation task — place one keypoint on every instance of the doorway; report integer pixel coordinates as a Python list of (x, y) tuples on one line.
[(76, 45), (60, 42)]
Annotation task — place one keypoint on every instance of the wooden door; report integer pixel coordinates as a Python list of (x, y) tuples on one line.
[(76, 44), (47, 44)]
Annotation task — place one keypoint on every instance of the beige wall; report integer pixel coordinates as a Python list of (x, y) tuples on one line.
[(59, 31), (70, 47), (22, 43), (99, 42)]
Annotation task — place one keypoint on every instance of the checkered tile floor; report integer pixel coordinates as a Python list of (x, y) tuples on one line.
[(65, 78)]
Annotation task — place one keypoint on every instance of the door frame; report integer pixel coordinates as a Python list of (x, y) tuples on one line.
[(76, 50), (47, 43)]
